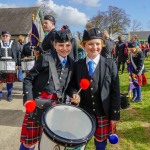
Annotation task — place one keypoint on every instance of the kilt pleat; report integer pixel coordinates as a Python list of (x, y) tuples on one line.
[(103, 129)]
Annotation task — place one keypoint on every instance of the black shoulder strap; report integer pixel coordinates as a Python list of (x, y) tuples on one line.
[(52, 68)]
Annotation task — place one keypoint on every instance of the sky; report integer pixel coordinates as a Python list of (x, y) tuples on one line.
[(76, 13)]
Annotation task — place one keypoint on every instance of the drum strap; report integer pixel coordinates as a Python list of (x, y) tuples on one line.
[(56, 81)]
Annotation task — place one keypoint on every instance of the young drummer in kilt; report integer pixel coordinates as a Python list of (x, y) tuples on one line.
[(103, 95), (40, 83)]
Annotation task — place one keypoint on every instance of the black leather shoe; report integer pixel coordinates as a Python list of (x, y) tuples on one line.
[(9, 98)]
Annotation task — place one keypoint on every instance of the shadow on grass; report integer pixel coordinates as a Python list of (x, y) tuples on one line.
[(136, 135)]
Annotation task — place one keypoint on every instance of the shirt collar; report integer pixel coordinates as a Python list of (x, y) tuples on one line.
[(61, 58), (96, 59)]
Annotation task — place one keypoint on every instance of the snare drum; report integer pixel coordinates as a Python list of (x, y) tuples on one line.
[(66, 127), (27, 64), (7, 65)]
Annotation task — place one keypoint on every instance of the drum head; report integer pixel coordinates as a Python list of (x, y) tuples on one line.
[(68, 124)]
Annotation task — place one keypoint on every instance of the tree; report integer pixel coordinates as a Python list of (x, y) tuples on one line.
[(136, 26), (115, 20), (45, 10)]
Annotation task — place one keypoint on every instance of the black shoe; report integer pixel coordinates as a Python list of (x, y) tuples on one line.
[(9, 98)]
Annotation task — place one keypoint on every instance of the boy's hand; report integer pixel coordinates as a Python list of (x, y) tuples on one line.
[(75, 99)]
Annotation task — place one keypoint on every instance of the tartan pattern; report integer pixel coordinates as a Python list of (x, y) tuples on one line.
[(31, 131), (103, 129), (8, 77)]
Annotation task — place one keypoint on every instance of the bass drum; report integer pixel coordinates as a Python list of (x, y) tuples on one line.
[(66, 127)]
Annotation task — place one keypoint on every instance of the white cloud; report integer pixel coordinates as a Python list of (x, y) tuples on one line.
[(90, 3), (67, 15), (7, 6)]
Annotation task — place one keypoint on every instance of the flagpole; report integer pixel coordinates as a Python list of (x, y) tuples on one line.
[(32, 54)]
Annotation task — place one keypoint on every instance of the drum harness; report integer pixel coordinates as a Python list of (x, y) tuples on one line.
[(42, 105)]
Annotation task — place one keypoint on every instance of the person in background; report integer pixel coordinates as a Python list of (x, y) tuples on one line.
[(103, 95), (74, 51), (21, 41), (13, 51), (137, 61), (107, 50), (49, 29), (121, 57), (40, 83)]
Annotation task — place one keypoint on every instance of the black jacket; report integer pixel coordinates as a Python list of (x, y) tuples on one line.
[(40, 75), (47, 43), (107, 90)]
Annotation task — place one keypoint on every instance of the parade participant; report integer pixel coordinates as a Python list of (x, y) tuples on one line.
[(137, 62), (49, 29), (74, 51), (121, 57), (9, 50), (41, 82), (103, 95), (107, 50)]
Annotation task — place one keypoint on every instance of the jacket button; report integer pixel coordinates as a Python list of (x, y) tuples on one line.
[(91, 89), (60, 78), (93, 103), (26, 92), (48, 82), (39, 92), (92, 96), (93, 109), (91, 80)]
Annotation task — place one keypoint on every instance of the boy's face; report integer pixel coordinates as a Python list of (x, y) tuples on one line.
[(93, 47), (63, 49)]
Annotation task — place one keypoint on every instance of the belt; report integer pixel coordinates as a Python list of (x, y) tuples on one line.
[(46, 95)]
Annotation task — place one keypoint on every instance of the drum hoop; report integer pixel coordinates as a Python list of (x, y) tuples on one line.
[(64, 141)]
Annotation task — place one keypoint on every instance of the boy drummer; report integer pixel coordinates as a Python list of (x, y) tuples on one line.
[(103, 95), (40, 83)]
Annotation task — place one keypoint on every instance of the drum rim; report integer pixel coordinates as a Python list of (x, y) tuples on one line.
[(65, 141)]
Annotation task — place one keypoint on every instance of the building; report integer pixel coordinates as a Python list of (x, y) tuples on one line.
[(18, 21), (142, 35)]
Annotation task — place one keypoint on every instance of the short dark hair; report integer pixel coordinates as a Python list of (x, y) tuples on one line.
[(50, 18)]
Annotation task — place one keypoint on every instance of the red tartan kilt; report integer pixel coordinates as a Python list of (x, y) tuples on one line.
[(103, 129), (31, 131), (8, 77), (142, 80)]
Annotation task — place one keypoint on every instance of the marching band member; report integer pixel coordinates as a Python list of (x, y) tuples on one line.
[(40, 82), (9, 50), (103, 95), (49, 29)]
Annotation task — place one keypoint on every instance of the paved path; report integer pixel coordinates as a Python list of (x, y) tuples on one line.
[(11, 117)]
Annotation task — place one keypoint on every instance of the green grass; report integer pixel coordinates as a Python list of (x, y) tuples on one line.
[(133, 128)]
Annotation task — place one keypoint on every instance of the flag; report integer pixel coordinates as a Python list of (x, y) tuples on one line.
[(34, 36)]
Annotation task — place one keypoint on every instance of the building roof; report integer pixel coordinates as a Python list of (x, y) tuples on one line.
[(17, 20), (142, 35)]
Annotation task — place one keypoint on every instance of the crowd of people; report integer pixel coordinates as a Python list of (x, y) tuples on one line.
[(60, 64)]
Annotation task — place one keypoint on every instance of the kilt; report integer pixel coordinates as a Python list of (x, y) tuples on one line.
[(31, 130), (103, 129), (8, 77)]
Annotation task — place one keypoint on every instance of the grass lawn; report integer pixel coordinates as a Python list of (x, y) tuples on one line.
[(133, 128)]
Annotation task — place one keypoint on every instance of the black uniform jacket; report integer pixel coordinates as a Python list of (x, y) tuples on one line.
[(107, 90), (138, 60), (15, 49), (40, 75), (47, 43), (26, 51)]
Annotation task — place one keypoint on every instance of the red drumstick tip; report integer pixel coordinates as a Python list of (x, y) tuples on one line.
[(30, 106), (84, 84)]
